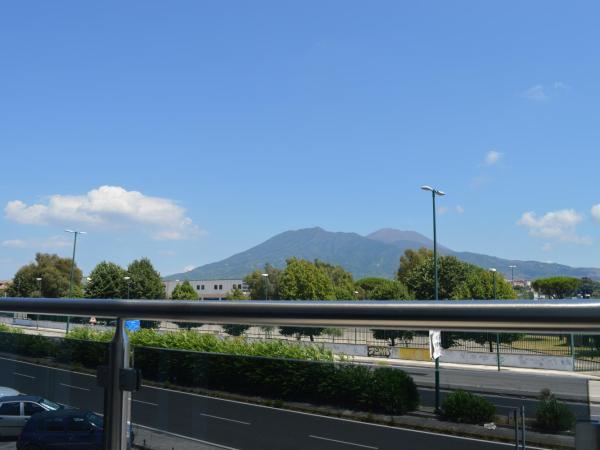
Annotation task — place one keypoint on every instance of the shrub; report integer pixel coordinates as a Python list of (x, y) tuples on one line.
[(465, 407), (552, 415)]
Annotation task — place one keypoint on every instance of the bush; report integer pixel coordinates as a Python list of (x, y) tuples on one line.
[(552, 415), (383, 390), (465, 407)]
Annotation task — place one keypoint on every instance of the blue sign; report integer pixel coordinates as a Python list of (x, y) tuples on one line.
[(132, 325)]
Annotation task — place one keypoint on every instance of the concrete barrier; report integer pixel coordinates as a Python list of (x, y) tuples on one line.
[(564, 363)]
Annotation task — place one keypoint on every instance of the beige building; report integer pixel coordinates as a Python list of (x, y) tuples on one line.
[(209, 289)]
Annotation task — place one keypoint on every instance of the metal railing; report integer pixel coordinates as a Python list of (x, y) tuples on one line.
[(552, 317)]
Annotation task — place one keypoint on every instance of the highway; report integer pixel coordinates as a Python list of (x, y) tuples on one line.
[(232, 424)]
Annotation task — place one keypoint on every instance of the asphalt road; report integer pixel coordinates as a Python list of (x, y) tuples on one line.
[(232, 424)]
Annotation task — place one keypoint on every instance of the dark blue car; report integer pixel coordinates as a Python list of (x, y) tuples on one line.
[(72, 429)]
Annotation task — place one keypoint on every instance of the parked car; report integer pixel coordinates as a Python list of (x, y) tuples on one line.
[(15, 410), (7, 391), (64, 428)]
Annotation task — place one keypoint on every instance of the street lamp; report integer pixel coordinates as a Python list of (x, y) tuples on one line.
[(493, 271), (266, 278), (75, 233), (39, 280), (435, 192), (127, 279), (512, 274)]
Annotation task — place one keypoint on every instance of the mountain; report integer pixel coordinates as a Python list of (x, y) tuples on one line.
[(377, 254)]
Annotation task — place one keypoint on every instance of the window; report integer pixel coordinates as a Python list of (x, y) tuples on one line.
[(31, 408), (197, 287), (220, 287), (53, 424), (78, 424), (216, 287), (202, 287), (10, 409)]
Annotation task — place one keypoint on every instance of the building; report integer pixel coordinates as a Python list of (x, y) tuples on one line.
[(209, 289)]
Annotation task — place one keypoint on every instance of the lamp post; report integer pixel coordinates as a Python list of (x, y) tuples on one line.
[(266, 278), (39, 280), (434, 193), (493, 271), (75, 233), (127, 280)]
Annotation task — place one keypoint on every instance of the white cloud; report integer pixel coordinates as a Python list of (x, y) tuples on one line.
[(559, 85), (536, 93), (459, 209), (555, 225), (50, 242), (188, 268), (108, 207), (547, 247), (596, 212), (441, 210), (492, 157)]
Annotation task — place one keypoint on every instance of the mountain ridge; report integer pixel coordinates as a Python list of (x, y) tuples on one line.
[(376, 254)]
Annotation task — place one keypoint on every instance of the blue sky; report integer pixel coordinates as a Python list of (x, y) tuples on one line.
[(187, 131)]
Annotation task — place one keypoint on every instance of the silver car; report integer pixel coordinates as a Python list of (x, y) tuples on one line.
[(16, 410), (6, 391)]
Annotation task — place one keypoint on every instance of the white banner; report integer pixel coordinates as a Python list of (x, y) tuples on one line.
[(435, 344)]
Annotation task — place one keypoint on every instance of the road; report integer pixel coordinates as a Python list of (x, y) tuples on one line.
[(233, 424)]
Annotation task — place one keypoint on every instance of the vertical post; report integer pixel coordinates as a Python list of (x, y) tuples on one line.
[(524, 447), (117, 402), (71, 277), (435, 266), (516, 420), (572, 345), (498, 350)]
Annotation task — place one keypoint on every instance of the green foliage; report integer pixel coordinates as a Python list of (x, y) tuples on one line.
[(552, 415), (557, 287), (343, 283), (392, 335), (589, 288), (465, 407), (55, 273), (298, 332), (145, 282), (236, 294), (235, 330), (457, 279), (184, 291), (303, 280), (381, 289), (106, 281), (257, 283), (412, 259)]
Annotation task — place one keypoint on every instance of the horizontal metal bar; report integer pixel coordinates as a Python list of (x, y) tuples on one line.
[(508, 315)]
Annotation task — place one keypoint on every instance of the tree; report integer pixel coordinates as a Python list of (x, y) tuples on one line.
[(298, 332), (145, 282), (410, 260), (257, 283), (392, 335), (55, 273), (236, 294), (343, 283), (373, 288), (479, 285), (557, 287), (106, 281), (589, 287), (184, 291), (235, 330), (302, 280)]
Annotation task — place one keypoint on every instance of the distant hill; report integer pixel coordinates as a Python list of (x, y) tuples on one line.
[(377, 254)]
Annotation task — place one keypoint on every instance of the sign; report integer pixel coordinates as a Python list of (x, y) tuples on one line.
[(435, 344), (132, 325), (378, 351)]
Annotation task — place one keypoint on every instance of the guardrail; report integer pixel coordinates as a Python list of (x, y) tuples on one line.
[(556, 316)]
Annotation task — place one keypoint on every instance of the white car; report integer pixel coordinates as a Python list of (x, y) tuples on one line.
[(16, 410), (6, 391)]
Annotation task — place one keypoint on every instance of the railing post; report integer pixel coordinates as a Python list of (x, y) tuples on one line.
[(117, 402)]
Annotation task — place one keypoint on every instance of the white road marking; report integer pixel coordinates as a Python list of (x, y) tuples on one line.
[(74, 387), (23, 375), (185, 437), (342, 442), (145, 403), (225, 418)]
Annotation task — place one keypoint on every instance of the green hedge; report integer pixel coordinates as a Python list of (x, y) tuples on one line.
[(465, 407), (271, 369), (552, 415), (382, 389)]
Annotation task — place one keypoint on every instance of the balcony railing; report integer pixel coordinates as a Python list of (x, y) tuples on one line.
[(118, 380)]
